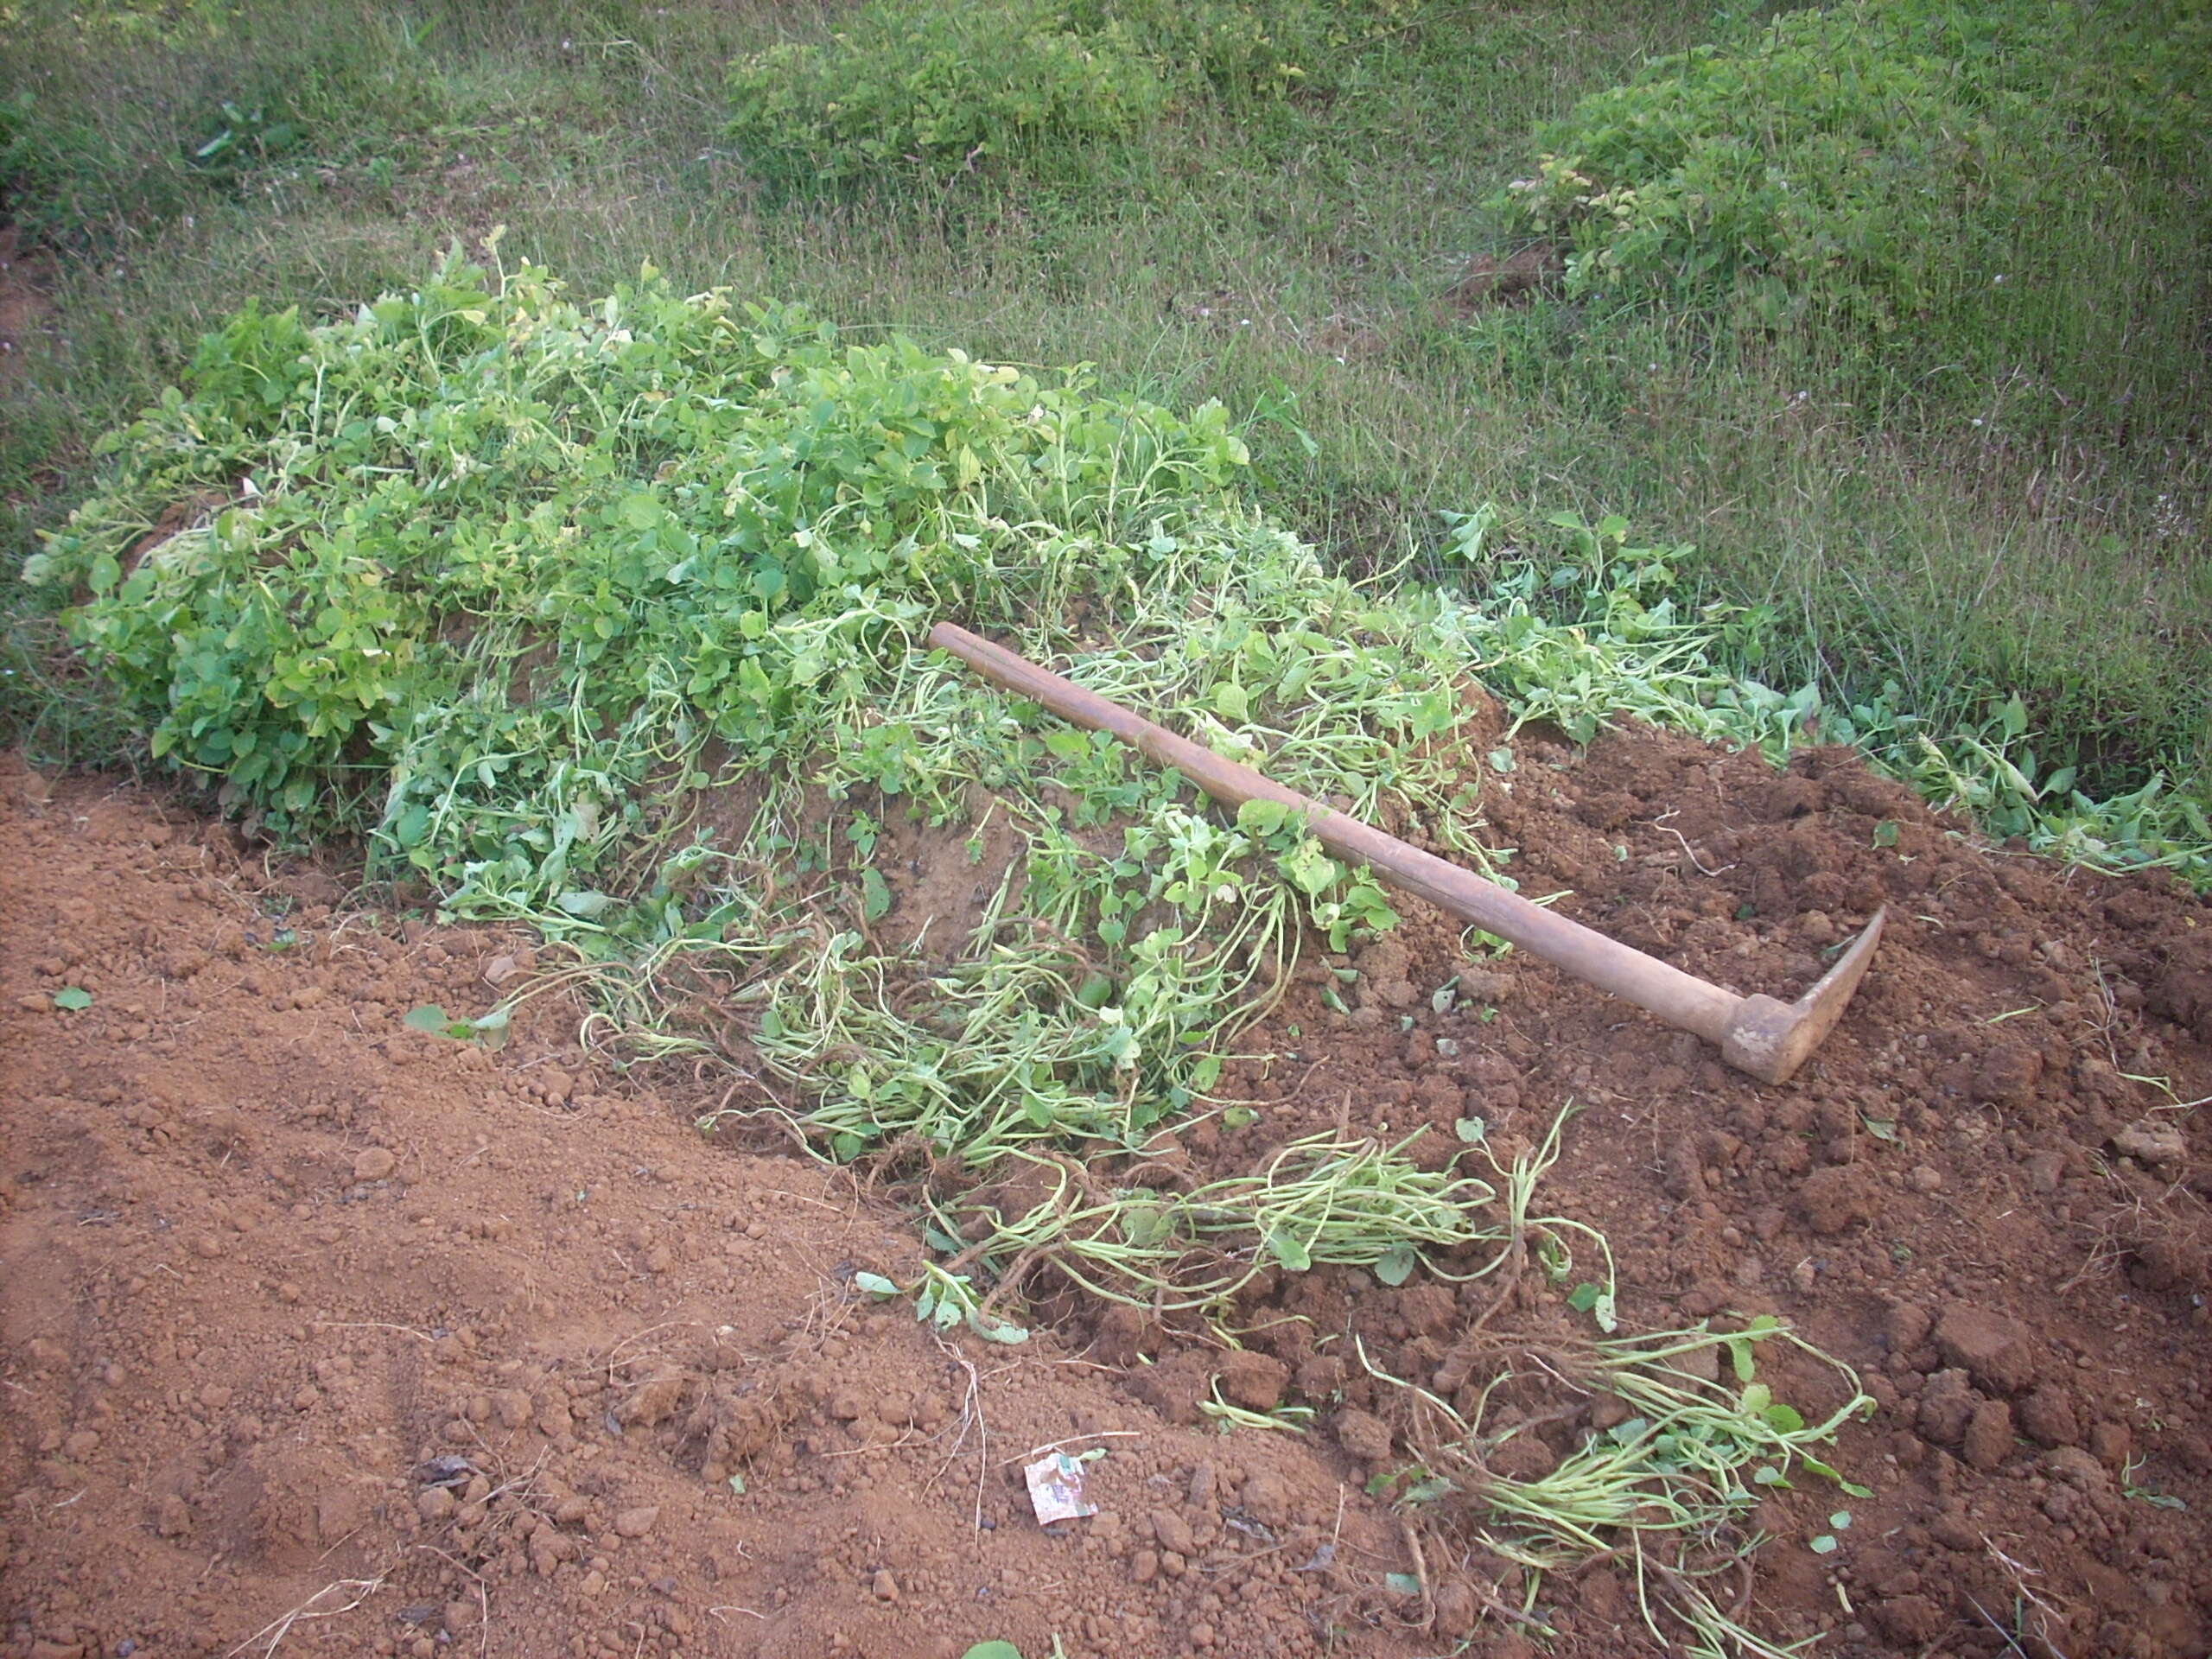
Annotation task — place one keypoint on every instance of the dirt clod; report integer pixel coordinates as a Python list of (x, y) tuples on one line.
[(1988, 1437), (1835, 1199), (1253, 1381), (2155, 1142), (1364, 1435), (1987, 1346)]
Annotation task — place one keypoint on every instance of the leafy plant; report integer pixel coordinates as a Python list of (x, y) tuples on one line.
[(245, 137), (1666, 1486), (389, 632), (1868, 173), (491, 1029), (936, 90), (904, 91)]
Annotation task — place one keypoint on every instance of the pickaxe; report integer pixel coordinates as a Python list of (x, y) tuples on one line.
[(1765, 1037)]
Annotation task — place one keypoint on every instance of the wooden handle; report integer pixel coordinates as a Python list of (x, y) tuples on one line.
[(1679, 998)]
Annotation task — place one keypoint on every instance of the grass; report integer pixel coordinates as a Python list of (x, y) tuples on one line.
[(1277, 254)]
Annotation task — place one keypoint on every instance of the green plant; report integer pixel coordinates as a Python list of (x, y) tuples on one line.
[(1875, 176), (491, 1029), (1664, 1487), (933, 91), (1319, 1200), (423, 623), (241, 138)]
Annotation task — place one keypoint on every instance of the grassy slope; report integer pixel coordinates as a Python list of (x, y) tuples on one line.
[(1289, 260)]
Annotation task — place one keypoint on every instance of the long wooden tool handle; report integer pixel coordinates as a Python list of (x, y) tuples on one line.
[(1676, 997)]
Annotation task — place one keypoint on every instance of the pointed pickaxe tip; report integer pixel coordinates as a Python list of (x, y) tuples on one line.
[(1772, 1039)]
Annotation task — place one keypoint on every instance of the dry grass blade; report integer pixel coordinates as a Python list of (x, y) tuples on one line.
[(278, 1628)]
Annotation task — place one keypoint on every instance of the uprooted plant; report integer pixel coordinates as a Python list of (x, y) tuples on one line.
[(1663, 1481)]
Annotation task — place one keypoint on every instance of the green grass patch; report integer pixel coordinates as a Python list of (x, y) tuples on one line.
[(927, 90), (1913, 191), (901, 92)]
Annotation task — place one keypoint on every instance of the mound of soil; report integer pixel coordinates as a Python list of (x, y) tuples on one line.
[(326, 1332), (1986, 1192), (321, 1333)]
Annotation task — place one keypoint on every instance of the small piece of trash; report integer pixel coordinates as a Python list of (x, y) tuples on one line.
[(1056, 1490)]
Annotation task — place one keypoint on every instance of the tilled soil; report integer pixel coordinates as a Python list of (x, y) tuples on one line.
[(325, 1334)]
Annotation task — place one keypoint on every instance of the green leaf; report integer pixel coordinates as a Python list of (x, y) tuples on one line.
[(993, 1651), (993, 1329), (875, 896), (1472, 1130), (1262, 817), (1881, 1128), (1403, 1583), (429, 1017), (1785, 1417), (493, 1029), (74, 999), (1850, 1488), (1739, 1358), (1289, 1251), (1595, 1301), (1823, 1545), (1397, 1265), (874, 1284), (737, 1484)]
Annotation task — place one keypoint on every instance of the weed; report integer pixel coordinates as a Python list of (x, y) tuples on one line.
[(934, 90), (1863, 173), (1665, 1487)]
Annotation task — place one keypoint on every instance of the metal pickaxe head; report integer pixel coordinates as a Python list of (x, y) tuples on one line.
[(1771, 1038)]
